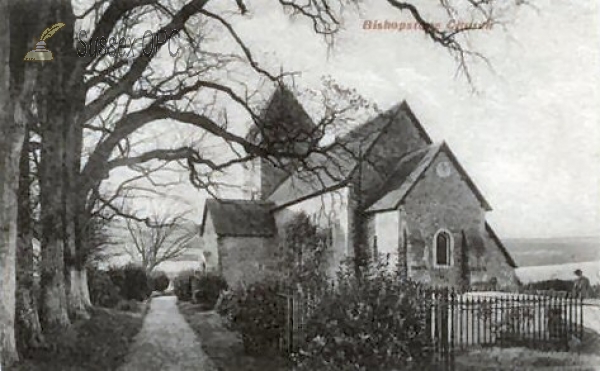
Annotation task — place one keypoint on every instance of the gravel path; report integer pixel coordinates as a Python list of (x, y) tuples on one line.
[(166, 342)]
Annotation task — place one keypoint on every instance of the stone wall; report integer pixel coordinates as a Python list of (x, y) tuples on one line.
[(449, 203), (245, 260)]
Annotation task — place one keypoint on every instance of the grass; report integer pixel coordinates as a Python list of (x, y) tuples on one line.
[(224, 347), (100, 343), (524, 359)]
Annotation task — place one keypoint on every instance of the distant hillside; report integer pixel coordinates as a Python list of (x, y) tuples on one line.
[(559, 272), (550, 251)]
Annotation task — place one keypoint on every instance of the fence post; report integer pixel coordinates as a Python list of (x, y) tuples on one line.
[(452, 321), (542, 328), (461, 328), (570, 316), (581, 317)]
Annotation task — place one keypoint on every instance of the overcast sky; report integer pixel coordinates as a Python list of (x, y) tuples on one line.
[(529, 136)]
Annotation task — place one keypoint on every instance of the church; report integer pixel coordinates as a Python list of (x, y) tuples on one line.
[(383, 188)]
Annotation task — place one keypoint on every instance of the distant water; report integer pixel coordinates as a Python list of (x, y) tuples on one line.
[(550, 251)]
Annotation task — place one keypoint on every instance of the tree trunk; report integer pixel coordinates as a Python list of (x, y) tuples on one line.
[(75, 219), (85, 288), (57, 215), (79, 296), (28, 331), (54, 300), (11, 140)]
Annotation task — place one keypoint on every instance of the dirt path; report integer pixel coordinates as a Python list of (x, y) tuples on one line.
[(166, 342)]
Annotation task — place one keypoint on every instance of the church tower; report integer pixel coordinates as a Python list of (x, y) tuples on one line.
[(283, 126), (251, 185)]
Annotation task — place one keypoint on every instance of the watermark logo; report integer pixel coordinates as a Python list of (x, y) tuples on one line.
[(40, 53), (126, 47)]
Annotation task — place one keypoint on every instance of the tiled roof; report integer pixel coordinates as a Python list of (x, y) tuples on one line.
[(409, 171), (403, 178), (503, 249), (324, 172), (240, 218)]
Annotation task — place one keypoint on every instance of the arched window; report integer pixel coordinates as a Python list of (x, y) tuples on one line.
[(443, 248)]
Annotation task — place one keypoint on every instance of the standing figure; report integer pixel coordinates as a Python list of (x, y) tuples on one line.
[(581, 287)]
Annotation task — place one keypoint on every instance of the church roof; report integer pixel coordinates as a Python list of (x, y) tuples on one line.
[(503, 249), (240, 218), (401, 181), (407, 174), (282, 120), (324, 172)]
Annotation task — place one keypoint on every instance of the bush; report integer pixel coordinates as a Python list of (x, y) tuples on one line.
[(258, 314), (560, 285), (210, 286), (103, 292), (160, 281), (373, 323), (128, 306), (132, 280), (595, 291), (551, 285), (182, 285), (224, 305)]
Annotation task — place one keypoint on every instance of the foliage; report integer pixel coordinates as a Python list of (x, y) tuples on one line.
[(223, 346), (257, 313), (210, 286), (305, 246), (182, 285), (554, 285), (595, 291), (103, 292), (367, 323), (132, 280), (465, 272), (160, 281), (559, 285), (225, 305), (128, 306), (100, 343)]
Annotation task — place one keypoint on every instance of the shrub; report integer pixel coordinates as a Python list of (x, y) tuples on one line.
[(258, 314), (128, 306), (103, 292), (132, 280), (160, 281), (554, 285), (595, 291), (224, 306), (376, 322), (210, 286), (182, 285), (306, 248), (560, 285)]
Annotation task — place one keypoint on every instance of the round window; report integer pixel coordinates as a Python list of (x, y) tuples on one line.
[(443, 169)]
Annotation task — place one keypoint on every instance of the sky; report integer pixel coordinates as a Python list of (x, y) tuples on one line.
[(527, 130)]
